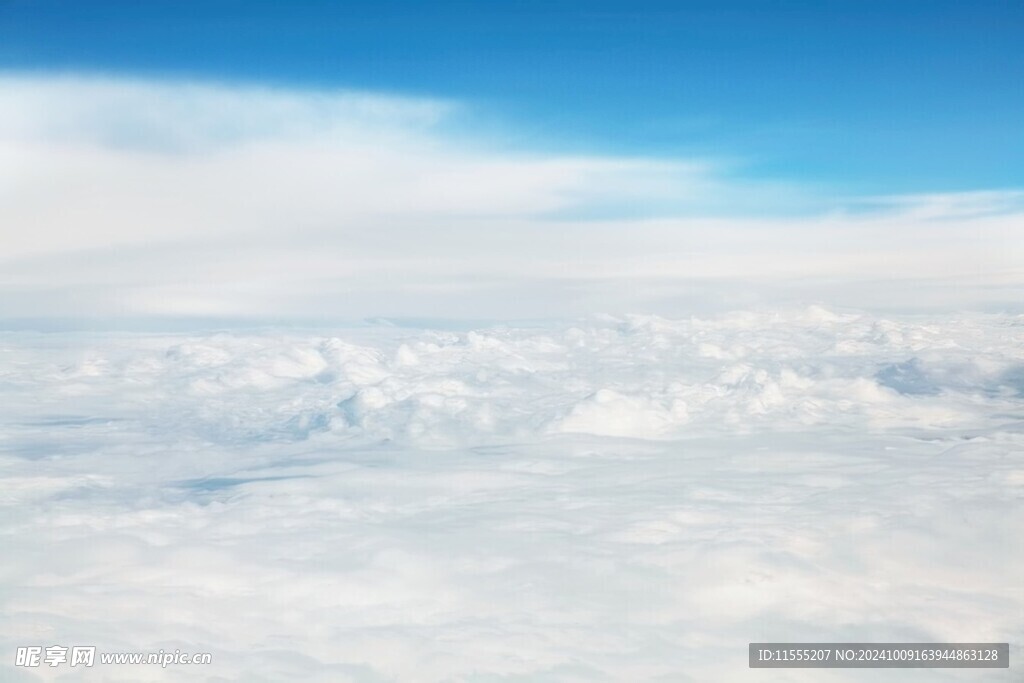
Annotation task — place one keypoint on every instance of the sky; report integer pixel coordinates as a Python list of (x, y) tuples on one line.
[(407, 159), (883, 96)]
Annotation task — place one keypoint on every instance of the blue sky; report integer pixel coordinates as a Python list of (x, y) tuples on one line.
[(867, 97)]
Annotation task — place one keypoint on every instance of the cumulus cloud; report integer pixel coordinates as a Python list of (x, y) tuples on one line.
[(615, 499), (123, 197)]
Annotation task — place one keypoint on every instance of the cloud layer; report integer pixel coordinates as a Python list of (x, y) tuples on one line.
[(123, 198), (621, 499)]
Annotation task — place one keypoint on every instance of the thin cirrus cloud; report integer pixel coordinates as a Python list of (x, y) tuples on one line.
[(122, 198)]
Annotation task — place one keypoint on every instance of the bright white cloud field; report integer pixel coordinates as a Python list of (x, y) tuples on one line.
[(614, 499)]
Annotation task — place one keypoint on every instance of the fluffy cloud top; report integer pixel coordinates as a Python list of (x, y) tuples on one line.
[(620, 499)]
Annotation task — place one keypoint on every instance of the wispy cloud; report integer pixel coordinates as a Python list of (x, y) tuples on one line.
[(133, 197)]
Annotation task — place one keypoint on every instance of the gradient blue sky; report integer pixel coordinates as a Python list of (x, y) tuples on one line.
[(870, 97)]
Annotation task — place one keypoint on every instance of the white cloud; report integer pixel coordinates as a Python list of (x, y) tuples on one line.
[(127, 197), (620, 499)]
